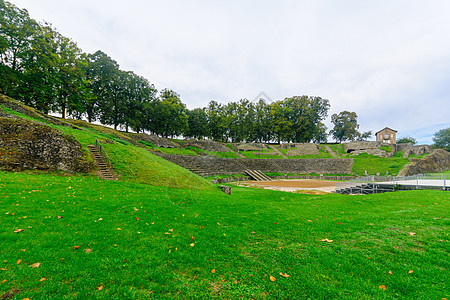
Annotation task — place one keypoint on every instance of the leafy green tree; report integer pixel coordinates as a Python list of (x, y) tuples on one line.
[(441, 139), (364, 136), (197, 124), (138, 93), (216, 124), (307, 113), (405, 140), (345, 126), (169, 116), (320, 134), (104, 78), (262, 125), (281, 121)]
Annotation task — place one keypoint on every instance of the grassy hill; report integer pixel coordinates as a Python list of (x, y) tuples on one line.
[(132, 163), (86, 238)]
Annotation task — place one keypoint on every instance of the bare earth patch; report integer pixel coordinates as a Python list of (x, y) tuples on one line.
[(307, 186)]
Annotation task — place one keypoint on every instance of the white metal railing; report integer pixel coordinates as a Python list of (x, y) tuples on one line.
[(417, 181)]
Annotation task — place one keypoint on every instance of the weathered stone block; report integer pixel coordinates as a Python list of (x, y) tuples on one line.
[(226, 189)]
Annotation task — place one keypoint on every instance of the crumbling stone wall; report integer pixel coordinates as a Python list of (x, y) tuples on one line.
[(303, 149), (416, 150), (207, 145), (438, 161), (26, 145), (228, 166)]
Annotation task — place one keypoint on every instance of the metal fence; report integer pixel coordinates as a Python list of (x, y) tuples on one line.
[(379, 184)]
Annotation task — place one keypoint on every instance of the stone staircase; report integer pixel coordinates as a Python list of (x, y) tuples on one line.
[(278, 152), (104, 170), (257, 175)]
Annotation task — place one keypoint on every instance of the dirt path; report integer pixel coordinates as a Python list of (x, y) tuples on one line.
[(294, 185)]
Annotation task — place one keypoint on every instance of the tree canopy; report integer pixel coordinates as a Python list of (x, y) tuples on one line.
[(45, 70), (441, 139), (407, 139), (345, 126)]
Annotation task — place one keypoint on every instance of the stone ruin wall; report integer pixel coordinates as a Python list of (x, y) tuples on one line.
[(26, 145), (228, 166)]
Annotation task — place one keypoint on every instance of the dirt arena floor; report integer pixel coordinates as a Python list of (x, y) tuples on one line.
[(306, 186)]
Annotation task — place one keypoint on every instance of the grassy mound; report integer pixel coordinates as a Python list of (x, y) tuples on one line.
[(131, 162), (94, 239)]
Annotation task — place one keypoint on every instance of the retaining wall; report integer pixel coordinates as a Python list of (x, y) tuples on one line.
[(228, 166)]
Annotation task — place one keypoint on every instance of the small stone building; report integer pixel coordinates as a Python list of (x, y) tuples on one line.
[(386, 135)]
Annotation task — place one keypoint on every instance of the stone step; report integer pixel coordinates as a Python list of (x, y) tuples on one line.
[(104, 169)]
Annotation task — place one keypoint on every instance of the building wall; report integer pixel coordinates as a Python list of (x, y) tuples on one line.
[(391, 136)]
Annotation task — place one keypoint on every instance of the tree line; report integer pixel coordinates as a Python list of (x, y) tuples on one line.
[(49, 72)]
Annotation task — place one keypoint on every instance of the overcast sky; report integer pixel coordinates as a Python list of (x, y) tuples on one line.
[(389, 61)]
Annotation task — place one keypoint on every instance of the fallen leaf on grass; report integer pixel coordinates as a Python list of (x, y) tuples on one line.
[(412, 234), (4, 281), (284, 275), (36, 265), (213, 271), (43, 279), (18, 261), (192, 238), (76, 247), (119, 229), (60, 217), (326, 240), (272, 278), (390, 272), (3, 269), (100, 288), (137, 219), (193, 244), (309, 220), (170, 230), (18, 230), (382, 287), (87, 250), (410, 271)]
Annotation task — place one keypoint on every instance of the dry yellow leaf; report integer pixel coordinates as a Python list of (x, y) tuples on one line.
[(382, 287), (119, 229), (412, 234), (272, 278), (213, 271), (18, 230), (18, 261), (100, 288), (193, 244), (284, 275), (43, 279), (326, 240), (36, 265)]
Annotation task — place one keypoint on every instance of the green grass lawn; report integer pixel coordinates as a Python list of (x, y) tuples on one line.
[(97, 239), (374, 164)]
